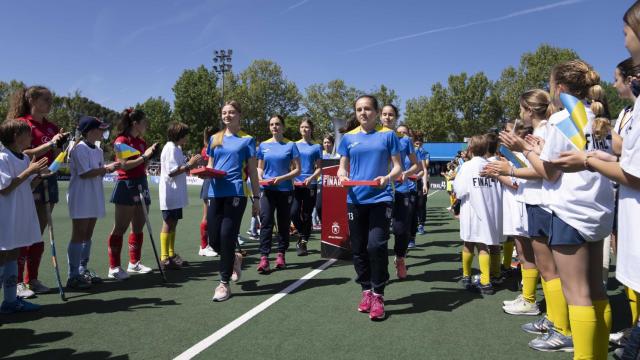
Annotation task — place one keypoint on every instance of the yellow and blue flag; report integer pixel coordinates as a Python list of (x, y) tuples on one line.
[(55, 165), (509, 155), (573, 126), (124, 151)]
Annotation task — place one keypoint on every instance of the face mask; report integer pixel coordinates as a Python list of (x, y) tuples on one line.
[(635, 87), (105, 134)]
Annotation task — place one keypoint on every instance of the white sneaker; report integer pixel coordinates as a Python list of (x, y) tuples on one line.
[(38, 287), (138, 268), (511, 302), (222, 292), (237, 267), (208, 251), (620, 338), (117, 273), (522, 307), (24, 292), (240, 241)]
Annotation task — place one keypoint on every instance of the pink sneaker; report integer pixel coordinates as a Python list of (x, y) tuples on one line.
[(280, 263), (365, 303), (401, 268), (263, 267), (377, 307)]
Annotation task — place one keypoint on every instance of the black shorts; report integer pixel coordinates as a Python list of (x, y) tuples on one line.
[(173, 214), (126, 192), (52, 187), (563, 234), (539, 221)]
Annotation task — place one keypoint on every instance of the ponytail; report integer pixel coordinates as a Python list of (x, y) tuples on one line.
[(21, 99), (127, 118), (351, 124)]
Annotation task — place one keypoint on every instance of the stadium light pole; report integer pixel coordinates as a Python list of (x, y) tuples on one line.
[(223, 60)]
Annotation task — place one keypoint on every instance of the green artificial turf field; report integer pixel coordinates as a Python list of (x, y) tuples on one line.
[(428, 315)]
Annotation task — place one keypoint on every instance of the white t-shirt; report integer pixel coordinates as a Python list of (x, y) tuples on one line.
[(625, 118), (173, 190), (584, 199), (481, 207), (628, 258), (514, 212), (85, 196), (530, 191), (19, 220)]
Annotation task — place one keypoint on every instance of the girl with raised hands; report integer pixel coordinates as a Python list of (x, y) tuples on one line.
[(366, 151)]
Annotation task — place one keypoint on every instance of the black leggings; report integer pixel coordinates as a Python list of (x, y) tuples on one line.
[(369, 234), (402, 210), (319, 202), (270, 202), (224, 216), (421, 205), (304, 199)]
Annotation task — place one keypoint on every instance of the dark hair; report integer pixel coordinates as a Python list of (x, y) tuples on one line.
[(127, 118), (279, 117), (418, 136), (373, 99), (628, 68), (177, 131), (330, 137), (492, 143), (477, 145), (20, 102), (352, 123), (632, 18), (309, 122), (395, 109), (10, 129), (206, 134)]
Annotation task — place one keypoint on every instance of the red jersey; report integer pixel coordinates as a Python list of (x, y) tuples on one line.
[(138, 144), (41, 133)]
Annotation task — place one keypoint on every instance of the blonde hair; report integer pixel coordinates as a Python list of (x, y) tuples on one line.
[(583, 82), (538, 101), (219, 136)]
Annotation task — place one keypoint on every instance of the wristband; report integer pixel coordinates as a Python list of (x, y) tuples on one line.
[(52, 144), (586, 163), (512, 172), (144, 158), (526, 153)]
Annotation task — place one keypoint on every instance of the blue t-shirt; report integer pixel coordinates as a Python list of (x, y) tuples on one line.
[(277, 158), (231, 157), (369, 157), (422, 154), (309, 154), (406, 148)]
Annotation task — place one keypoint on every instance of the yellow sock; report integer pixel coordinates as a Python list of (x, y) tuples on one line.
[(507, 253), (604, 320), (172, 243), (545, 292), (485, 268), (634, 305), (164, 245), (467, 261), (495, 264), (529, 284), (559, 307), (583, 326)]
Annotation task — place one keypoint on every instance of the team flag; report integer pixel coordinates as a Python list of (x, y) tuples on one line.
[(515, 160), (124, 151), (55, 165), (573, 126)]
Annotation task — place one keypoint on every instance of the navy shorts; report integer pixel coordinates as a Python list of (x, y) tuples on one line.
[(126, 192), (173, 214), (539, 221), (204, 191), (563, 233), (52, 187)]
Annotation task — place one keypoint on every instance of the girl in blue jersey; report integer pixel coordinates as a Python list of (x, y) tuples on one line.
[(304, 195), (422, 186), (366, 151), (233, 151), (278, 163), (404, 200)]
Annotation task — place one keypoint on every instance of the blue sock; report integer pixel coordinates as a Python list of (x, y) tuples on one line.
[(10, 281), (74, 252), (84, 258)]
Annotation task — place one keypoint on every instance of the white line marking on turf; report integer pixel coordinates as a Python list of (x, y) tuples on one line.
[(433, 193), (216, 336)]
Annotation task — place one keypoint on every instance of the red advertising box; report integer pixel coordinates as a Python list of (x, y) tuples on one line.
[(335, 227)]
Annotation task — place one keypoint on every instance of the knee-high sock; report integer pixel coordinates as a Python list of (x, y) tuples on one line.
[(204, 238), (467, 261), (135, 247), (529, 284), (33, 261), (507, 254), (495, 264), (485, 269), (172, 244), (74, 253), (583, 326), (634, 305), (10, 281), (545, 293), (164, 245), (115, 247), (604, 320), (86, 253), (559, 306)]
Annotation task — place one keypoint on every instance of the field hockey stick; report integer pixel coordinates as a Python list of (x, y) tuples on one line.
[(52, 240), (146, 220)]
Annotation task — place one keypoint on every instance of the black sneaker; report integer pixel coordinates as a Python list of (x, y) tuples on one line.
[(465, 282), (92, 277), (301, 247), (483, 289), (78, 283)]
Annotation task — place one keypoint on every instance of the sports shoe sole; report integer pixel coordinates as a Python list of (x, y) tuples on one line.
[(565, 349), (511, 312)]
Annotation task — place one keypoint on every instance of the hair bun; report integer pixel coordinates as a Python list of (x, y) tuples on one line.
[(593, 78)]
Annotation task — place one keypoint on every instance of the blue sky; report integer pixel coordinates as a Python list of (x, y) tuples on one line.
[(122, 52)]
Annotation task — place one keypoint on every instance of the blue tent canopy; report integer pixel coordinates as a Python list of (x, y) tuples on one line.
[(444, 151)]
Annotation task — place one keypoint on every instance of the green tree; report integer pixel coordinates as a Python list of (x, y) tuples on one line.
[(158, 111), (6, 90), (386, 96), (197, 102), (325, 102)]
